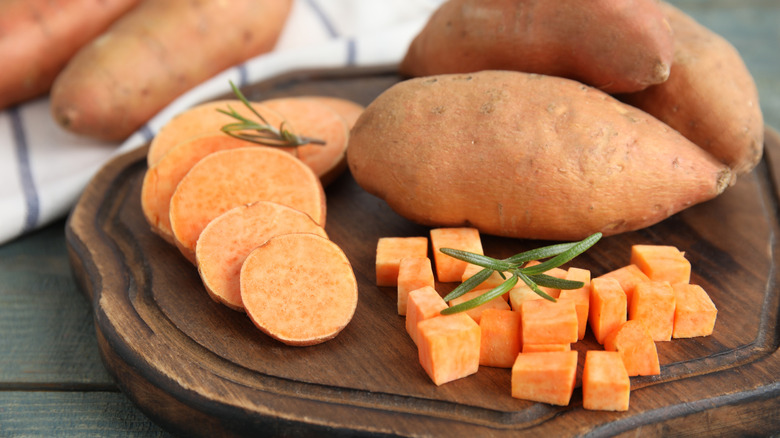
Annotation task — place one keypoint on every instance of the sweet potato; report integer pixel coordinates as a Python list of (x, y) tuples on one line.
[(390, 251), (39, 37), (653, 304), (710, 96), (448, 347), (537, 348), (154, 53), (548, 322), (500, 342), (422, 304), (628, 276), (476, 312), (580, 297), (546, 377), (348, 109), (227, 240), (450, 269), (695, 313), (618, 46), (226, 179), (608, 308), (199, 120), (413, 273), (605, 382), (299, 288), (636, 347), (662, 263), (504, 151), (161, 179), (314, 118)]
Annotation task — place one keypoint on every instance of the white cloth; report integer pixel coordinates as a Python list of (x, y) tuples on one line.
[(44, 169)]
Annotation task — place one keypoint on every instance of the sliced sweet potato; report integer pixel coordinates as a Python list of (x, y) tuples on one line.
[(636, 348), (161, 179), (608, 308), (413, 273), (422, 304), (226, 179), (448, 347), (500, 344), (654, 305), (450, 269), (390, 251), (230, 237), (299, 288), (695, 313), (580, 297), (546, 377)]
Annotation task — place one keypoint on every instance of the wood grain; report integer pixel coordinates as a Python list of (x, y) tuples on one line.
[(198, 368)]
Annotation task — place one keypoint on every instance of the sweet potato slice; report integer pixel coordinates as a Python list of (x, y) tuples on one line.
[(628, 276), (476, 312), (230, 237), (636, 348), (390, 251), (448, 347), (695, 313), (422, 304), (348, 109), (608, 308), (161, 180), (299, 288), (226, 179), (662, 263), (199, 120), (547, 322), (580, 297), (500, 344), (654, 305), (315, 119)]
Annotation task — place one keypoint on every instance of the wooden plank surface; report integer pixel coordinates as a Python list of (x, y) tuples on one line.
[(48, 345)]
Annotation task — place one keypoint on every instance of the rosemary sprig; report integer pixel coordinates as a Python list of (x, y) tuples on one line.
[(515, 266), (261, 132)]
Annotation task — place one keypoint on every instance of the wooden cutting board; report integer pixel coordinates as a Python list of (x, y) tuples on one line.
[(200, 369)]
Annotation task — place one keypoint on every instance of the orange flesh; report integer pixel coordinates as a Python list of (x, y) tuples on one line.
[(500, 342), (654, 305), (695, 313), (636, 348), (299, 289), (581, 298), (605, 382), (413, 273), (422, 304), (608, 308), (449, 269), (449, 347), (546, 377), (390, 251), (226, 241)]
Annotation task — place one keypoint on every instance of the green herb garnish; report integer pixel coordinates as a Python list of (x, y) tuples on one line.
[(261, 132), (515, 266)]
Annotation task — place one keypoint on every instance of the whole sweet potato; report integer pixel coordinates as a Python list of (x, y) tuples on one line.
[(614, 45), (38, 37), (526, 156), (710, 96), (154, 53)]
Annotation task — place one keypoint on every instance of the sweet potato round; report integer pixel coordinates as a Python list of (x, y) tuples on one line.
[(614, 45), (527, 156)]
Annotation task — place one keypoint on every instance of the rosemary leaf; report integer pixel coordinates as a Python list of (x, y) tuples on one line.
[(563, 257), (478, 259), (555, 282), (472, 282), (484, 298), (530, 283), (540, 253)]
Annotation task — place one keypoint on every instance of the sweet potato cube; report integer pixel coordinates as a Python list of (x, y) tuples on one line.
[(546, 377), (476, 312), (662, 263), (450, 269), (628, 276), (607, 307), (581, 297), (636, 347), (449, 347), (390, 251), (537, 348), (413, 273), (654, 305), (605, 382), (548, 322), (695, 312), (520, 294), (500, 338), (422, 304)]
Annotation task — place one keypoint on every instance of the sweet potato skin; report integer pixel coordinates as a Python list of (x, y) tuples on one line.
[(153, 54), (38, 38), (505, 151), (565, 38), (710, 96)]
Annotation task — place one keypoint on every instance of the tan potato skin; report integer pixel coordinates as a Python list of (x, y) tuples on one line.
[(38, 37), (710, 96), (614, 45), (527, 156), (153, 54)]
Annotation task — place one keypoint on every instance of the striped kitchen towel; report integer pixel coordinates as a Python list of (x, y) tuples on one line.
[(44, 169)]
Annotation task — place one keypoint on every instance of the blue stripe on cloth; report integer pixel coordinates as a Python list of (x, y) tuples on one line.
[(243, 75), (32, 202), (146, 132), (323, 18), (351, 51)]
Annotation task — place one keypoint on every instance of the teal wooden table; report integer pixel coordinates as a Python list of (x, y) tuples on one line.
[(52, 380)]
